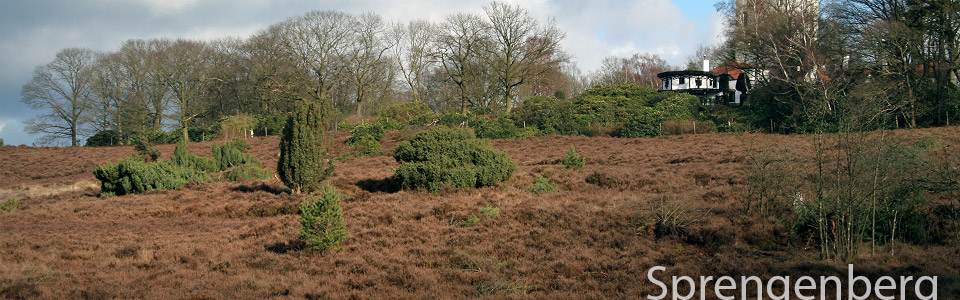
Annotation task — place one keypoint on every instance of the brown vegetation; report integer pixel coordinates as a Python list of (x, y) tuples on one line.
[(594, 237)]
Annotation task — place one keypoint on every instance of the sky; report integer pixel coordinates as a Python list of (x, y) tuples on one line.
[(31, 32)]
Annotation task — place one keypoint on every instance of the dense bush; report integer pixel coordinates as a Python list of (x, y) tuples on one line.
[(1, 142), (410, 113), (232, 154), (678, 107), (496, 128), (572, 159), (103, 138), (367, 146), (301, 166), (549, 115), (185, 159), (374, 130), (450, 157), (627, 90), (625, 110), (321, 219), (134, 176), (145, 150), (644, 122)]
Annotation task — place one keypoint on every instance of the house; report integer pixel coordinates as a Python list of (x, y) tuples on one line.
[(726, 84)]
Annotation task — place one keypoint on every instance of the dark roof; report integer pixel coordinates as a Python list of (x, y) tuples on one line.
[(684, 73)]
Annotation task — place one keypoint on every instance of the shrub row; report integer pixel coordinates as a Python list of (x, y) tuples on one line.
[(134, 176), (625, 110)]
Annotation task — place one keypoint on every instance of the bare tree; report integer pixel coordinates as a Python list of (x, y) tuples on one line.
[(462, 44), (138, 61), (62, 90), (520, 48), (414, 45), (366, 57), (640, 69), (186, 67), (278, 81), (317, 41), (111, 87), (704, 52)]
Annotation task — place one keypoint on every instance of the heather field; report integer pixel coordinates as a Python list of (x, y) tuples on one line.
[(593, 237)]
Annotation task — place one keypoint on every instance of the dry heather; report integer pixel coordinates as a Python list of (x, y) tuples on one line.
[(589, 239)]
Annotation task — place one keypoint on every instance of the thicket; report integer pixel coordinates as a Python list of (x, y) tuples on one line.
[(133, 176), (450, 157), (302, 165), (230, 157), (321, 219), (625, 110), (863, 189)]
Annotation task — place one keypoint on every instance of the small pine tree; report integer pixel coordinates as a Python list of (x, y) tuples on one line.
[(302, 166), (572, 160), (542, 186), (321, 219)]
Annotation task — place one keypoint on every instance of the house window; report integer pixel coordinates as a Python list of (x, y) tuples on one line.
[(683, 80), (699, 82)]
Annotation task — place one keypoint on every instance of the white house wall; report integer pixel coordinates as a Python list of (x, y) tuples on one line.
[(689, 83)]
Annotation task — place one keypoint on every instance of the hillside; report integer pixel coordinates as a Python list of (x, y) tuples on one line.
[(586, 240)]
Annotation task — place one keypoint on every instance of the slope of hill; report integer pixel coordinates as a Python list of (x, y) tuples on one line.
[(589, 239)]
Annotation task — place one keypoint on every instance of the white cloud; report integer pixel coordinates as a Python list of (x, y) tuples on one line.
[(163, 7)]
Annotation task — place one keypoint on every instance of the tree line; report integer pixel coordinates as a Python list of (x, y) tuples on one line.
[(860, 64), (482, 62)]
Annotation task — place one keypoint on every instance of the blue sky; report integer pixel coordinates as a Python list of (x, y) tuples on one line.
[(33, 31)]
